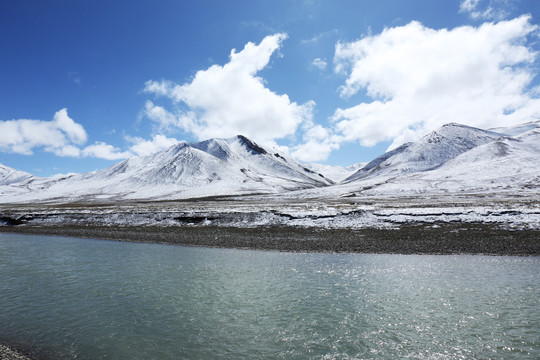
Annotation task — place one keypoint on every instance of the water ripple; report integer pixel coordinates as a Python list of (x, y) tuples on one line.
[(87, 299)]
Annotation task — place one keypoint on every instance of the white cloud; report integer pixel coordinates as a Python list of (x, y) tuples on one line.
[(104, 151), (75, 132), (319, 63), (59, 136), (318, 143), (68, 150), (169, 122), (162, 117), (486, 9), (316, 38), (421, 78), (468, 5), (224, 101), (143, 147)]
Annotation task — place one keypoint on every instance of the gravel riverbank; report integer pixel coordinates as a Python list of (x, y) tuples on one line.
[(418, 239), (7, 353)]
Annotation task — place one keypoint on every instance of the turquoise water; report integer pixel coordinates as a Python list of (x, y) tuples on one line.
[(88, 299)]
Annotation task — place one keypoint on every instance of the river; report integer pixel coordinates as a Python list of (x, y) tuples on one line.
[(66, 298)]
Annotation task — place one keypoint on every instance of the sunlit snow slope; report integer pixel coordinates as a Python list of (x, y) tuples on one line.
[(455, 158), (10, 176), (185, 170), (431, 151)]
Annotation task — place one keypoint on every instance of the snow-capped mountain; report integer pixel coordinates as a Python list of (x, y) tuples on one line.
[(506, 163), (10, 176), (185, 170), (455, 159), (517, 130), (429, 152)]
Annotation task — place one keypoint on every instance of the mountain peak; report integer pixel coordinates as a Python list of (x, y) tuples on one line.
[(10, 176), (431, 151), (250, 145), (216, 147), (177, 147), (212, 167)]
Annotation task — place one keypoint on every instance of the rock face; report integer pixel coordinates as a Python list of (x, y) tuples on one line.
[(214, 167)]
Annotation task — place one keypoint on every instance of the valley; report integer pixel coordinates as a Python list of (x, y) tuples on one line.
[(456, 180)]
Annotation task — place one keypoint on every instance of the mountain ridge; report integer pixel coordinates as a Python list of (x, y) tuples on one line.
[(215, 167), (431, 151), (10, 176), (449, 159), (482, 162)]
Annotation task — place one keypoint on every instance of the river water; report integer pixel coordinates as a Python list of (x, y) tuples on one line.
[(64, 298)]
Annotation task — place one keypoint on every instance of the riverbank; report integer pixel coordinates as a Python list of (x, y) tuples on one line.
[(441, 238), (7, 353)]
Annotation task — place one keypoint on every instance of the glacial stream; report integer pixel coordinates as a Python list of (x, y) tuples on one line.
[(65, 298)]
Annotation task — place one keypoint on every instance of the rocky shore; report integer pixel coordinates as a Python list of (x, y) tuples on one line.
[(441, 238), (7, 353)]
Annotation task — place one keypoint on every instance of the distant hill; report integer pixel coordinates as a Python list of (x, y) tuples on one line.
[(455, 159), (431, 151), (208, 168), (451, 160), (10, 176)]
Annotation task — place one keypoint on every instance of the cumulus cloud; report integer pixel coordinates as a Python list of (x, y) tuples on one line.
[(318, 143), (104, 151), (319, 63), (59, 136), (143, 147), (224, 101), (168, 121), (67, 150), (420, 78), (75, 132)]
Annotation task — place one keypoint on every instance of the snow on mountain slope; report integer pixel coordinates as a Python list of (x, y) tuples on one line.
[(431, 151), (451, 160), (506, 164), (213, 167), (10, 176), (517, 130)]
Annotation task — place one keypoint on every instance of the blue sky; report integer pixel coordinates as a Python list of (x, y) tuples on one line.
[(86, 83)]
